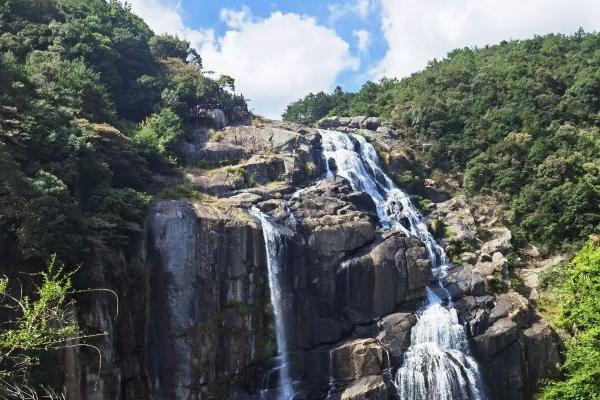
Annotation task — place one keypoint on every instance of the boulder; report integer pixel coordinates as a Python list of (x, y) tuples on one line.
[(394, 335), (468, 257), (504, 375), (501, 242), (363, 202), (341, 235), (262, 170), (456, 215), (356, 359), (496, 338), (512, 363), (356, 122), (510, 305), (474, 311), (371, 123), (500, 263), (384, 130), (328, 123), (367, 388), (542, 352), (458, 281), (485, 268)]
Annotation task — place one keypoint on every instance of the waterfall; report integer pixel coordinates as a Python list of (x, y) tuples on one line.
[(437, 365), (274, 247)]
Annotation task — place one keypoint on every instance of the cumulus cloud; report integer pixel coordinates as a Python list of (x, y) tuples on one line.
[(274, 60), (338, 11), (418, 31), (164, 16), (363, 39), (278, 59)]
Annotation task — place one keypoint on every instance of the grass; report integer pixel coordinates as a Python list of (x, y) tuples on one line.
[(184, 192)]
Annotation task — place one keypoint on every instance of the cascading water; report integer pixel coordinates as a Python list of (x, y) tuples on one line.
[(274, 247), (437, 365)]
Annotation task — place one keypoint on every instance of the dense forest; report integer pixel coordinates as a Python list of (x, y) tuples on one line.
[(518, 120), (92, 103)]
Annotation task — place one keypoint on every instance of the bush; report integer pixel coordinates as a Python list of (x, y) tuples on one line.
[(160, 131)]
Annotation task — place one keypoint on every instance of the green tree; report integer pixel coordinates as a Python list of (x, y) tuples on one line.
[(69, 86), (165, 45)]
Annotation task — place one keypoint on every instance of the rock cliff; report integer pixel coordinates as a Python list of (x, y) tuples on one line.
[(195, 321)]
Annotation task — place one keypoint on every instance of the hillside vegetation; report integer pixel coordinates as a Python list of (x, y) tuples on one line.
[(91, 104), (519, 119), (580, 316)]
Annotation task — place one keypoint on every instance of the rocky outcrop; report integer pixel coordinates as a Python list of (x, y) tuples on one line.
[(221, 162), (195, 320), (390, 273), (343, 123), (506, 331)]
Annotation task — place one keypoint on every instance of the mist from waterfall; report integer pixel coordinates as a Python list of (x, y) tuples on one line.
[(274, 247), (437, 365)]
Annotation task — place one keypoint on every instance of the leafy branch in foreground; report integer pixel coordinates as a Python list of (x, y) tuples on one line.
[(41, 322)]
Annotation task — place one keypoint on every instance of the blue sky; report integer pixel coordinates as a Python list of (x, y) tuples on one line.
[(278, 51), (334, 14)]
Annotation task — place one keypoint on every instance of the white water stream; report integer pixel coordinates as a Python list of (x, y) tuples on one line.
[(274, 247)]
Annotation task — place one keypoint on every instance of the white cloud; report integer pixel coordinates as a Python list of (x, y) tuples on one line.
[(363, 39), (278, 59), (418, 31), (235, 19), (164, 16), (362, 7), (274, 61), (340, 10)]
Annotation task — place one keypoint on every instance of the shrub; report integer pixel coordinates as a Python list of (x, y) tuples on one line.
[(42, 321), (160, 131)]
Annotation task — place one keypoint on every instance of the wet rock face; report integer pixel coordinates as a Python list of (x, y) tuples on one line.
[(375, 284), (174, 229), (207, 299)]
